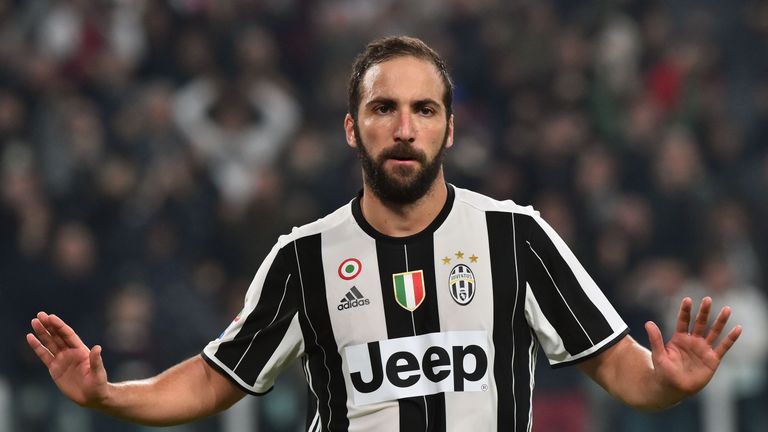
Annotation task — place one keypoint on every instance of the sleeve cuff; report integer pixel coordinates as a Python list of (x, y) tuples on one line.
[(597, 352), (226, 374)]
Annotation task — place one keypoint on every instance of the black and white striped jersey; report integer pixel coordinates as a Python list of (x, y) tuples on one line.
[(433, 332)]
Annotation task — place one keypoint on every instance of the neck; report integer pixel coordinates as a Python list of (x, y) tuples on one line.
[(402, 220)]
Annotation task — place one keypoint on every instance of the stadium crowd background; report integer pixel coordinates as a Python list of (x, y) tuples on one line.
[(152, 151)]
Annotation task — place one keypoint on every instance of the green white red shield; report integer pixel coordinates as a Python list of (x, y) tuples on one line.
[(409, 289)]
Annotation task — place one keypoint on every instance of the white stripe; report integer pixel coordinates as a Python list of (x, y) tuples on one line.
[(514, 309), (308, 375), (410, 298), (405, 248), (547, 336), (413, 322), (315, 422), (325, 356), (285, 289), (305, 366), (532, 353), (316, 419), (561, 294)]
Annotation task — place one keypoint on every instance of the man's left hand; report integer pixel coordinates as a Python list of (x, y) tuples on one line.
[(690, 358)]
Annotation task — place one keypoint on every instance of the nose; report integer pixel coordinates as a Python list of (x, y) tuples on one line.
[(404, 130)]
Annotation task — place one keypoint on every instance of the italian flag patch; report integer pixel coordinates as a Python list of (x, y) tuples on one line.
[(409, 289)]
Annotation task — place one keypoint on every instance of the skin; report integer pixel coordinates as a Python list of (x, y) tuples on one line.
[(185, 392), (401, 102), (660, 378), (400, 105)]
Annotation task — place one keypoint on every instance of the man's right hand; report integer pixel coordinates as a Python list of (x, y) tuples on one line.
[(77, 371), (188, 391)]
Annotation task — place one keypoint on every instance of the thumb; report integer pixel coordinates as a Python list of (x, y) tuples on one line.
[(655, 339), (97, 364)]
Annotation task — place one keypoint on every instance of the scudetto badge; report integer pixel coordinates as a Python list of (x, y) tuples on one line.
[(461, 283), (350, 268)]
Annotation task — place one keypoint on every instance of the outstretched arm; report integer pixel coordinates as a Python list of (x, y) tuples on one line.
[(188, 391), (668, 373)]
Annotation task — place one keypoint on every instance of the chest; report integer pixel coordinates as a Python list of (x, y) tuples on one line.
[(378, 290)]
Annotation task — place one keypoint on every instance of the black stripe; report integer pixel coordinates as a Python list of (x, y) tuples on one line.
[(392, 259), (421, 256), (349, 296), (356, 292), (320, 345), (524, 337), (539, 248), (501, 242), (268, 321), (522, 364)]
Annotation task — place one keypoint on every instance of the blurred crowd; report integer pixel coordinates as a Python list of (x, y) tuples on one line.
[(152, 151)]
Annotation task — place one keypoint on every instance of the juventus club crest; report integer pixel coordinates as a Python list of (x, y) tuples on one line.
[(461, 280), (461, 283)]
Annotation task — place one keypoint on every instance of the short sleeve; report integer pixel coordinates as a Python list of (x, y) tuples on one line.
[(265, 337), (572, 318)]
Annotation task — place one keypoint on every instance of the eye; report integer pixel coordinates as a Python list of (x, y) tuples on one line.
[(426, 111), (382, 109)]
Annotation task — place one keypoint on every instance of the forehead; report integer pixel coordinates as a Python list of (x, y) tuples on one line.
[(403, 77)]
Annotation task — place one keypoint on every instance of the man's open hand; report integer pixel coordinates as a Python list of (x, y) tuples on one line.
[(77, 371), (690, 358)]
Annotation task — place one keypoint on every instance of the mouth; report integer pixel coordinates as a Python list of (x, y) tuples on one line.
[(403, 156), (400, 161)]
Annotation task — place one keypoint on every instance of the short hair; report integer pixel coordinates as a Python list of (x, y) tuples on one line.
[(386, 48)]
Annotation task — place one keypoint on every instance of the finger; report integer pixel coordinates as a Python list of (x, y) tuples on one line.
[(728, 341), (44, 319), (684, 316), (97, 364), (44, 337), (702, 318), (655, 339), (42, 352), (60, 328), (718, 325)]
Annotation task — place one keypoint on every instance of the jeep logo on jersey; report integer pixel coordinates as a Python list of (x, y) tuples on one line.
[(392, 369), (409, 289), (461, 283)]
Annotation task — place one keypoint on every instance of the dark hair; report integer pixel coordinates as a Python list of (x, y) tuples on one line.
[(387, 48)]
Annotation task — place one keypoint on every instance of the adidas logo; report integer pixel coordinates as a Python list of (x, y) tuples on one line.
[(353, 299)]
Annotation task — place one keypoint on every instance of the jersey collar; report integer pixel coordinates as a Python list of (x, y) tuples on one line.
[(357, 212)]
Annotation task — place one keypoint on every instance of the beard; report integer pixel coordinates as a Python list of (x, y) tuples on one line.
[(407, 185)]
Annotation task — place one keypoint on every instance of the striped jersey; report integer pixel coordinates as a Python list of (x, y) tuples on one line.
[(437, 331)]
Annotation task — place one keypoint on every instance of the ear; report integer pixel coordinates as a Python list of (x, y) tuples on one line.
[(349, 130), (449, 140)]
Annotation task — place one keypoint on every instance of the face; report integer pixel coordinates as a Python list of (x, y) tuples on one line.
[(401, 130)]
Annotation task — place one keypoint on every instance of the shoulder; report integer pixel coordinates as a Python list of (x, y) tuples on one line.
[(340, 216), (485, 203)]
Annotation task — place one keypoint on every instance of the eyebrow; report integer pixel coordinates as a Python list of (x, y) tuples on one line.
[(390, 101)]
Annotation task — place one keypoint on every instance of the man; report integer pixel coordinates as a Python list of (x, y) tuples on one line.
[(417, 306)]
